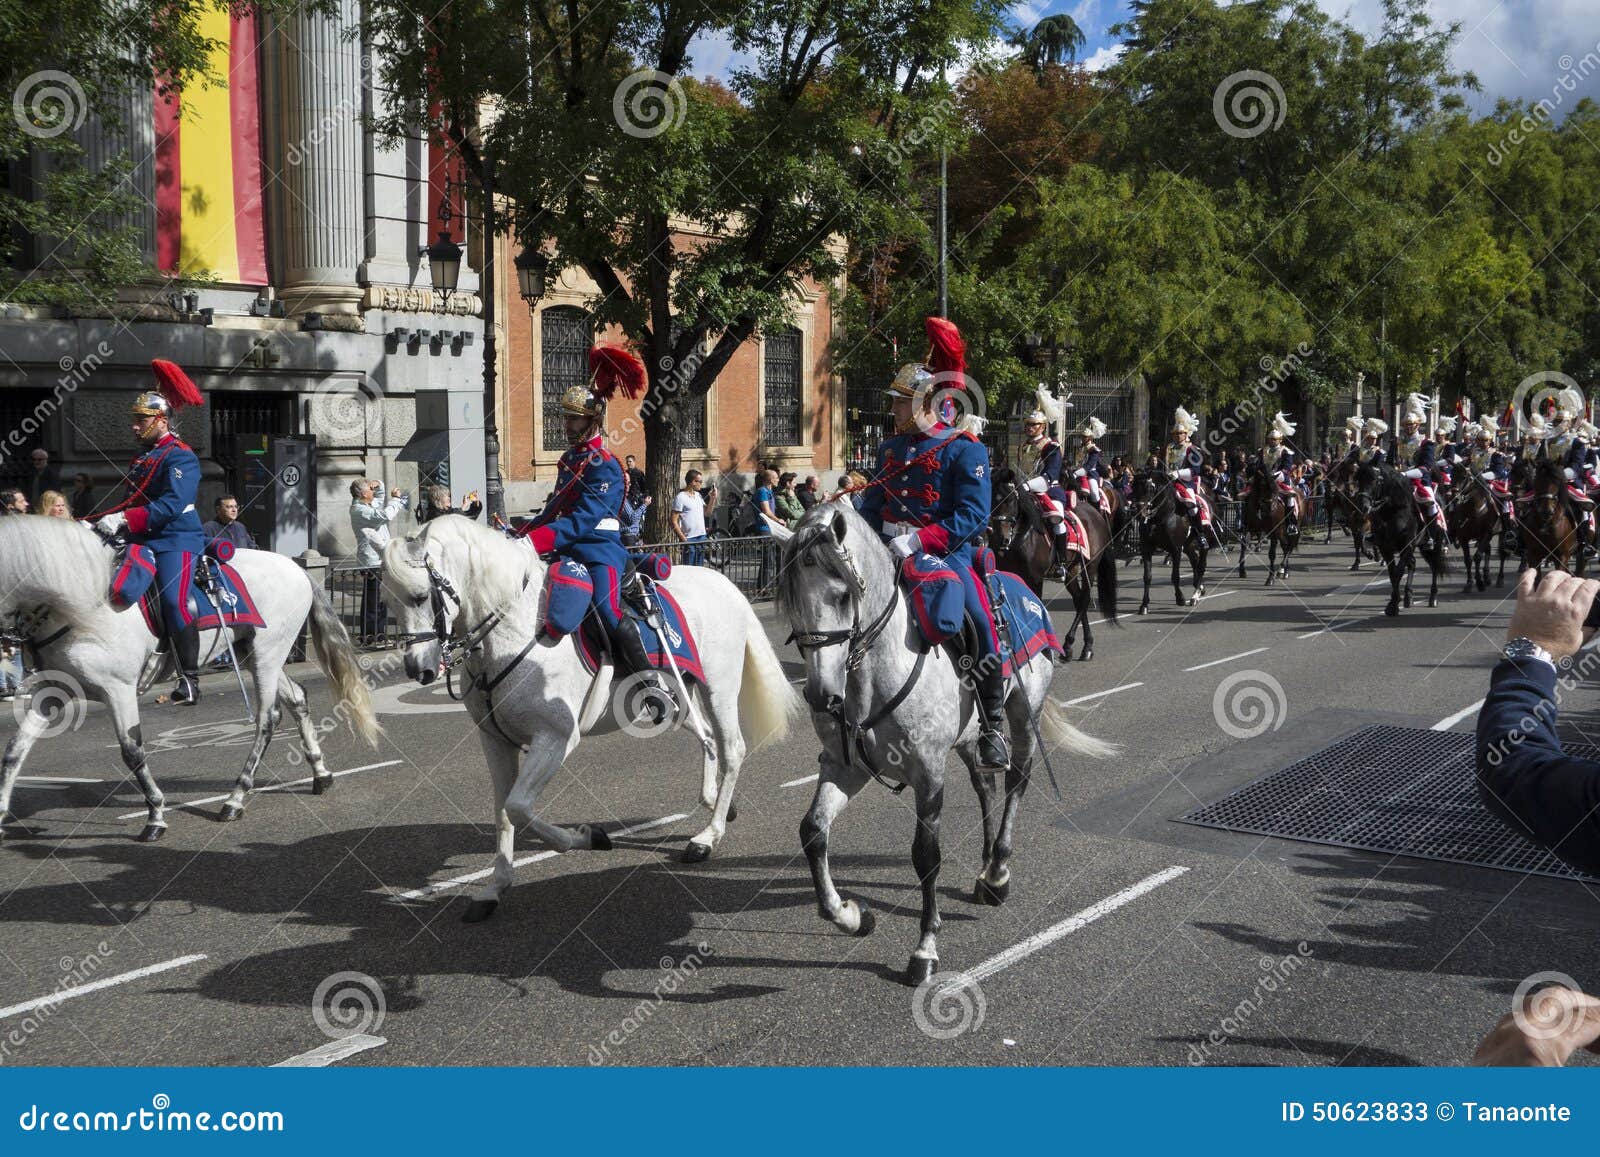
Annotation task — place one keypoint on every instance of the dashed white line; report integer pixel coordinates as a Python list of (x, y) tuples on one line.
[(1331, 628), (56, 998), (335, 1050), (1450, 721), (812, 778), (139, 815), (1229, 659), (427, 890), (1099, 694), (58, 779), (1203, 598), (1070, 925)]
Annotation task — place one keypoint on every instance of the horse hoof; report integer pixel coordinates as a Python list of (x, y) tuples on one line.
[(599, 839), (152, 833), (696, 853), (321, 785), (991, 894), (1194, 601), (1391, 610), (733, 812), (1144, 610), (478, 911), (1433, 602), (230, 812), (869, 921), (920, 970), (1086, 656)]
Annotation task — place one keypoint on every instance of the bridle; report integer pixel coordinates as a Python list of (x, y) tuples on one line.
[(458, 649), (859, 639)]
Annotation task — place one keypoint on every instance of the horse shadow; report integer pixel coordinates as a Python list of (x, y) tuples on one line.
[(579, 929)]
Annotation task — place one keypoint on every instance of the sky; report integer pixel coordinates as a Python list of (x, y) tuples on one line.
[(1517, 48)]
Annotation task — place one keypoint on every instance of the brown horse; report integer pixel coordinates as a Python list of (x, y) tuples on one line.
[(1023, 544), (1339, 491), (1266, 515), (1165, 525), (1473, 517), (1549, 532)]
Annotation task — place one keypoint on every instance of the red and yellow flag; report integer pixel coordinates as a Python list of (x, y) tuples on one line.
[(208, 162)]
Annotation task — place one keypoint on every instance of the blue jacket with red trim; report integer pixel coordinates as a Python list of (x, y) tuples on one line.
[(937, 481), (581, 519), (163, 484)]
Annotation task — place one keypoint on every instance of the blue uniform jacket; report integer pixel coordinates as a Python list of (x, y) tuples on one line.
[(944, 491), (1577, 456), (163, 484), (581, 520), (1091, 463), (1523, 775)]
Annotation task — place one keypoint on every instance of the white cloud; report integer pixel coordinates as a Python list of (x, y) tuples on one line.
[(1103, 57)]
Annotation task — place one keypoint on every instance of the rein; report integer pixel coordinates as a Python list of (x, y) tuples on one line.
[(859, 640)]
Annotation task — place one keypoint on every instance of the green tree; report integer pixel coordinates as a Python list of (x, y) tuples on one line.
[(1051, 43)]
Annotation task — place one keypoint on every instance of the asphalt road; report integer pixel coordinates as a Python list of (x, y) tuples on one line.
[(1127, 939)]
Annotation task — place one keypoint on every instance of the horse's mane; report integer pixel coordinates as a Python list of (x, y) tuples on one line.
[(497, 563), (52, 561), (816, 528), (1028, 514), (1547, 471)]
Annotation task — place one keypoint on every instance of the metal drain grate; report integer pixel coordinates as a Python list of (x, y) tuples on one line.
[(1387, 789)]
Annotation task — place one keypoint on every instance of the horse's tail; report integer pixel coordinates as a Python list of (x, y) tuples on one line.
[(337, 658), (1105, 573), (1058, 732), (767, 701)]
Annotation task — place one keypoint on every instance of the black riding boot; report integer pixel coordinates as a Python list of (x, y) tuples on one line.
[(654, 699), (1291, 523), (186, 650), (994, 751)]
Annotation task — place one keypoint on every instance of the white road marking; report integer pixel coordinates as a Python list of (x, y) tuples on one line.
[(1450, 721), (1068, 926), (1229, 659), (335, 1050), (139, 815), (57, 779), (1352, 588), (1099, 694), (56, 998), (812, 778), (456, 881), (391, 700), (1203, 598), (1334, 627)]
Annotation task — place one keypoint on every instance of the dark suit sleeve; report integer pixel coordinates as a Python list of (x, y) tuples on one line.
[(1523, 775)]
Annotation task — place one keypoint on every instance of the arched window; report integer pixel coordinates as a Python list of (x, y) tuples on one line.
[(565, 334), (781, 390)]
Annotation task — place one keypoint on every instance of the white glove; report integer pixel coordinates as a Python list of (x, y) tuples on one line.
[(1456, 459), (1414, 472), (1569, 473), (1185, 475), (1080, 472), (1487, 476), (906, 545), (1038, 485), (111, 523)]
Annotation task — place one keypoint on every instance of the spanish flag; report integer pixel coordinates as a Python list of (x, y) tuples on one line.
[(208, 160)]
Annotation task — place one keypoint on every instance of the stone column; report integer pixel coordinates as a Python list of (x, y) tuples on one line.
[(317, 85), (128, 133)]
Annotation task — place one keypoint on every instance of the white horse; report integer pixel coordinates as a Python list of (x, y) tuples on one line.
[(457, 587), (55, 579), (886, 704)]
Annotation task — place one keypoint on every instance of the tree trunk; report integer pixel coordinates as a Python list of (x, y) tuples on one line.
[(663, 463)]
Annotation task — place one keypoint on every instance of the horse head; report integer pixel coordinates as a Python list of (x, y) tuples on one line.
[(836, 585), (1005, 520)]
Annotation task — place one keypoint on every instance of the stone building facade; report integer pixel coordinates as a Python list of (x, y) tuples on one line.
[(341, 341)]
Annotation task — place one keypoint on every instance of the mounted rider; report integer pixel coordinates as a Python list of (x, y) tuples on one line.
[(1533, 439), (158, 513), (1418, 449), (930, 492), (1372, 452), (1349, 449), (1449, 452), (1184, 462), (1578, 466), (1089, 471), (581, 521), (1039, 465), (1491, 465), (1277, 459)]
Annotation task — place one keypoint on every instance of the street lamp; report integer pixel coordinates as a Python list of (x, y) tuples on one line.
[(532, 266), (444, 264)]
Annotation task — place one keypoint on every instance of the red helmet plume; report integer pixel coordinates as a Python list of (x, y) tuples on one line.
[(947, 353), (175, 385), (616, 370)]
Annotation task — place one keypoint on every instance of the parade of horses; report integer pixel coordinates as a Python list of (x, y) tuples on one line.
[(931, 611)]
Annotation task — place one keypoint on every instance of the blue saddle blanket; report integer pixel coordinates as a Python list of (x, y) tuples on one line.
[(568, 593), (135, 573), (1025, 630)]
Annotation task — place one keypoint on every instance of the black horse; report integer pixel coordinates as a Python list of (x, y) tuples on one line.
[(1023, 544), (1548, 523), (1165, 525), (1472, 514), (1266, 516), (1385, 499), (1339, 494)]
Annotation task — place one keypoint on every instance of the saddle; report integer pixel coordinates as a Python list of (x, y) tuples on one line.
[(567, 595), (1077, 537), (133, 577)]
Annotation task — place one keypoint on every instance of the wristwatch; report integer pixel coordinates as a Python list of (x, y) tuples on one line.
[(1523, 648)]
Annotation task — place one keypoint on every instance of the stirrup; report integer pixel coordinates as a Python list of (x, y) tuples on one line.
[(997, 757)]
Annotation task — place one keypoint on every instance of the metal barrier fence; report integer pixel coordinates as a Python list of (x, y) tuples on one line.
[(357, 599)]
